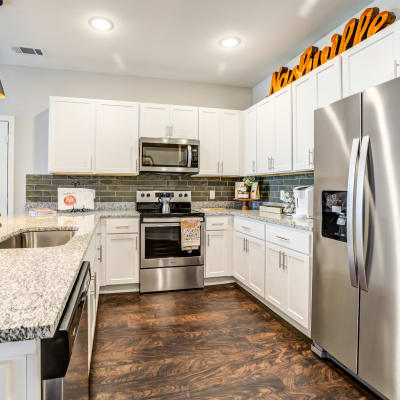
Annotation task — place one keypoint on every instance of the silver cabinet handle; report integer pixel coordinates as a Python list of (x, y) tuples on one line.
[(280, 259), (222, 167), (312, 156), (137, 165), (244, 244), (269, 163), (272, 163), (171, 130), (309, 157), (91, 163), (360, 212), (122, 227), (350, 212), (217, 224), (100, 253), (218, 166), (245, 227), (281, 237), (284, 255), (254, 166), (208, 240), (247, 245)]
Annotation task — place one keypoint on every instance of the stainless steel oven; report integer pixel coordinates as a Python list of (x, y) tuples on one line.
[(161, 244), (169, 155)]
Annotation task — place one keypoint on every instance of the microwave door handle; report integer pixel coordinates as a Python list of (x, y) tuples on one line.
[(362, 213), (189, 156), (350, 211)]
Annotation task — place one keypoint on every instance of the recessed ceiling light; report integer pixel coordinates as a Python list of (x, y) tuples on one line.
[(229, 42), (101, 24)]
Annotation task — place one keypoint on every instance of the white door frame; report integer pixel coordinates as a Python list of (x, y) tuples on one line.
[(11, 126)]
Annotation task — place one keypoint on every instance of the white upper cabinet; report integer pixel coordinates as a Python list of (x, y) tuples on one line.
[(329, 86), (219, 134), (155, 120), (117, 137), (282, 159), (71, 135), (163, 120), (265, 135), (372, 61), (230, 135), (319, 88), (250, 141), (209, 135), (184, 122), (274, 133), (304, 104)]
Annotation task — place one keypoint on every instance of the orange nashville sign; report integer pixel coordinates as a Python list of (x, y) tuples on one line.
[(355, 31)]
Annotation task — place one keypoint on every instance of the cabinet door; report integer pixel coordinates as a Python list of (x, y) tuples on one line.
[(282, 160), (329, 82), (304, 104), (240, 259), (71, 135), (209, 135), (155, 120), (265, 135), (13, 378), (275, 277), (298, 268), (250, 141), (256, 256), (122, 259), (184, 121), (216, 254), (371, 62), (117, 137), (230, 129)]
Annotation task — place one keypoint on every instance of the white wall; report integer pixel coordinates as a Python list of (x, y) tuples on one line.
[(262, 88), (28, 91)]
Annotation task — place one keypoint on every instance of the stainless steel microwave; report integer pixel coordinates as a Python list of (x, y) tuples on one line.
[(169, 155)]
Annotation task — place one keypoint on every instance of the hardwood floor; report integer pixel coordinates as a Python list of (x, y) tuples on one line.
[(216, 343)]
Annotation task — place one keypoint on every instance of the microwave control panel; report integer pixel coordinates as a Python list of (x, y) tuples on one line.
[(195, 157)]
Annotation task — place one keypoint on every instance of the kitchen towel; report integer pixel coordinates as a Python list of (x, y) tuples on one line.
[(190, 234)]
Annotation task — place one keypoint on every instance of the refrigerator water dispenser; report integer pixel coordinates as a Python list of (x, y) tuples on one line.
[(334, 219)]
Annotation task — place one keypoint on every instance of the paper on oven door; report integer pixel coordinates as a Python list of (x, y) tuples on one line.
[(190, 233)]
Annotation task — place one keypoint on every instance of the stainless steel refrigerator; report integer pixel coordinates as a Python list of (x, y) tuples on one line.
[(356, 273)]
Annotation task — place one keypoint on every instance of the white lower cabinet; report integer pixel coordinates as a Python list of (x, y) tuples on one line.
[(13, 385), (275, 278), (217, 254), (256, 261), (122, 252), (249, 261), (288, 282)]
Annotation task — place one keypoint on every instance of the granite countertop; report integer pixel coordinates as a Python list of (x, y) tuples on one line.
[(279, 219), (35, 283)]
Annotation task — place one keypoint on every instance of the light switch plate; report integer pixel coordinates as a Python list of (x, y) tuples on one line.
[(212, 194)]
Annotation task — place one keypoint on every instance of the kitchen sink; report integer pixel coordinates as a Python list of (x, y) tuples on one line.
[(30, 240)]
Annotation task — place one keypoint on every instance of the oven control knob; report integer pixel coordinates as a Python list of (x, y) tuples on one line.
[(180, 194), (148, 195), (142, 195), (186, 195)]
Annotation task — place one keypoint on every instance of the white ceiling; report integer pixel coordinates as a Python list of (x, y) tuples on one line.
[(175, 39)]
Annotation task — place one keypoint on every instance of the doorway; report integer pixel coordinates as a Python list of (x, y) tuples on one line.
[(6, 165)]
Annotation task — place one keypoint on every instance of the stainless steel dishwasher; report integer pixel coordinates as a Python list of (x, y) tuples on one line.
[(64, 357)]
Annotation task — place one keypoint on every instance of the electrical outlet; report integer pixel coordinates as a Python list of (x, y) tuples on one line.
[(212, 194), (282, 193)]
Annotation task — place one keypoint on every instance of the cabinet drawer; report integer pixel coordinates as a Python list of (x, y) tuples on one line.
[(250, 227), (217, 223), (290, 238), (122, 225)]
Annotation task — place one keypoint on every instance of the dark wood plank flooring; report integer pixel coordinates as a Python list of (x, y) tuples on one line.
[(216, 343)]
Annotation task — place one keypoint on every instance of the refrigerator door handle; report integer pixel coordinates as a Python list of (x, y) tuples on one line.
[(361, 251), (350, 212)]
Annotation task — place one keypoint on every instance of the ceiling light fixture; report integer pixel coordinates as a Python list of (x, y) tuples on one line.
[(101, 24), (2, 94), (229, 42)]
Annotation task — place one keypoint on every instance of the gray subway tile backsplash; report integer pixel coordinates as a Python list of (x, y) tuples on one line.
[(43, 188)]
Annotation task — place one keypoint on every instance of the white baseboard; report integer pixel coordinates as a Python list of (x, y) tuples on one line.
[(218, 281), (128, 288)]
